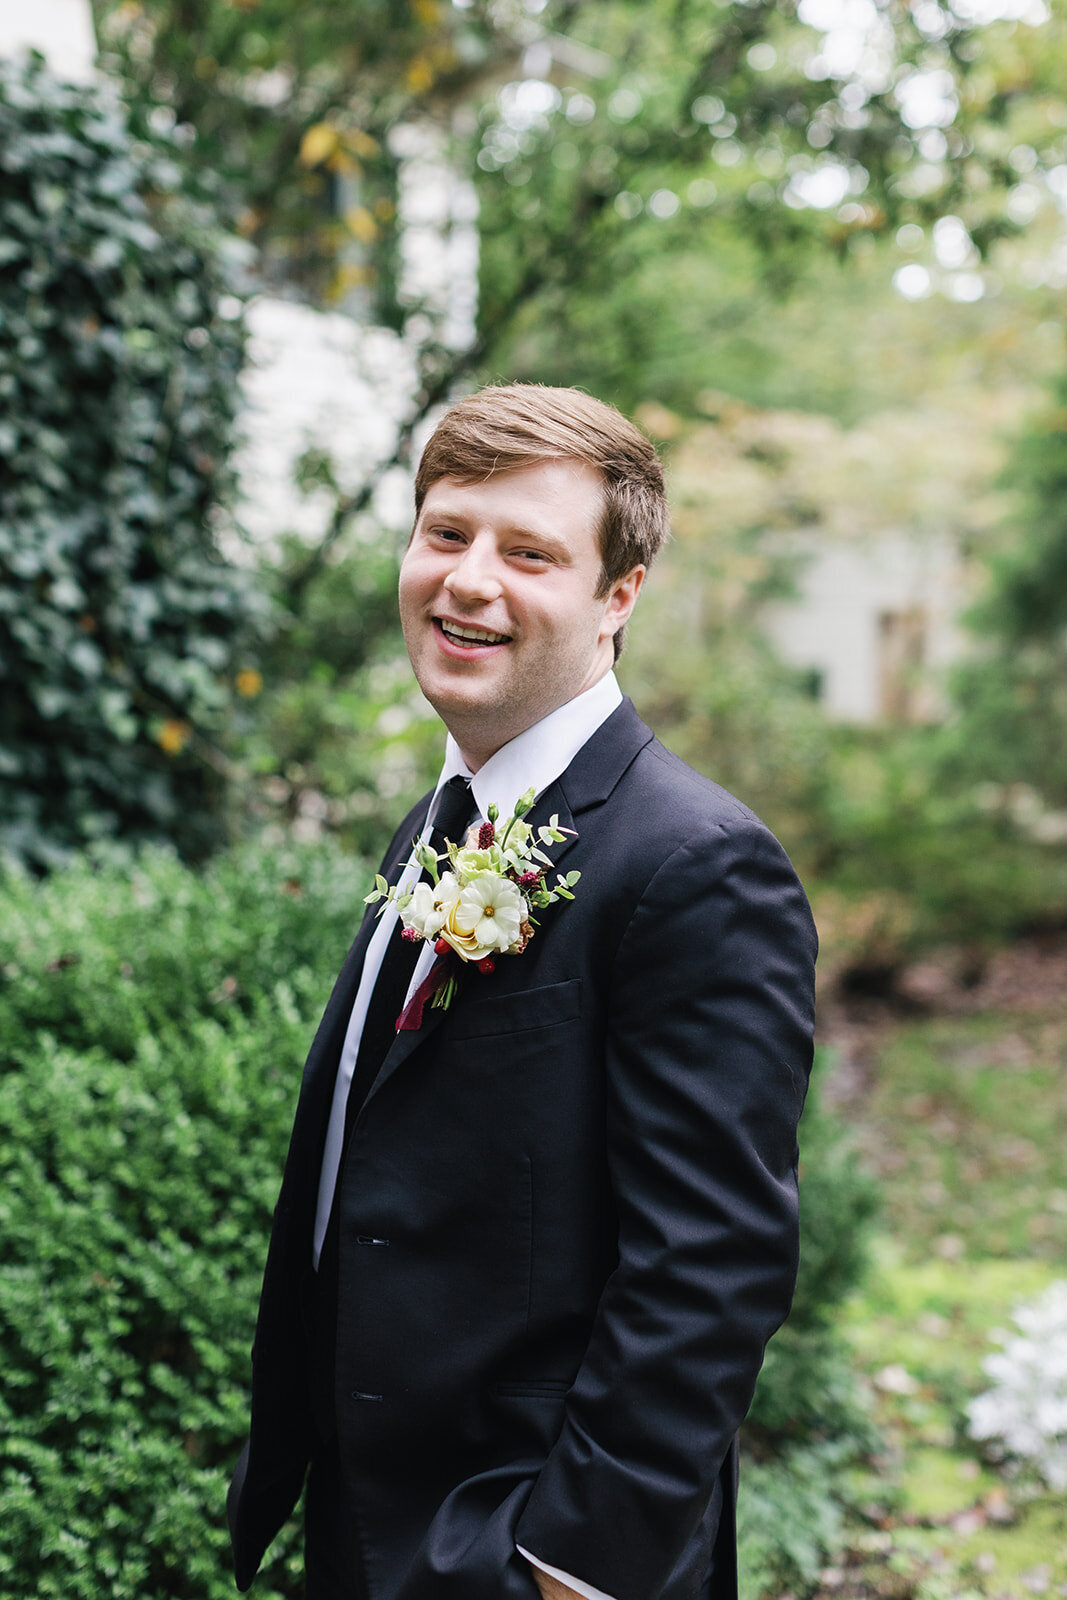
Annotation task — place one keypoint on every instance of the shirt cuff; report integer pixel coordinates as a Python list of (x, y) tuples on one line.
[(576, 1584)]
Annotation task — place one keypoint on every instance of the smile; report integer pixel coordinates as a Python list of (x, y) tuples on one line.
[(469, 638)]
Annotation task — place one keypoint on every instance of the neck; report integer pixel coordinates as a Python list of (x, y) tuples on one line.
[(470, 734)]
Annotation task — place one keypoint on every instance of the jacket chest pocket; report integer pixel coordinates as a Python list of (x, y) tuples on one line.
[(525, 1010)]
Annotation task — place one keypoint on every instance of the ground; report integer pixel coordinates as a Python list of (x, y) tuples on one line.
[(956, 1086)]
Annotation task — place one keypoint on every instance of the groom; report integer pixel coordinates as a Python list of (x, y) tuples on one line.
[(527, 1255)]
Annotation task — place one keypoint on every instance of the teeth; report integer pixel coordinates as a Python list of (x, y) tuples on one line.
[(472, 635)]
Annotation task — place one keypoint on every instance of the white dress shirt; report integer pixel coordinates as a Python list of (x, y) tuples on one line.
[(534, 759)]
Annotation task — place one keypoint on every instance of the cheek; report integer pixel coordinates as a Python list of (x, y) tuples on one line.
[(414, 583)]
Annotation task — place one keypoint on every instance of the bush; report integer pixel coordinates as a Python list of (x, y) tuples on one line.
[(809, 1427), (120, 342), (906, 857), (152, 1027)]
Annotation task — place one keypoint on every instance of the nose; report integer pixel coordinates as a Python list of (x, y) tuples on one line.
[(473, 577)]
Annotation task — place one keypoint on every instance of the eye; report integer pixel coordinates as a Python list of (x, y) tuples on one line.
[(448, 535), (532, 557)]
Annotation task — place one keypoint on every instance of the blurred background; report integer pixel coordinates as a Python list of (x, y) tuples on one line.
[(248, 249)]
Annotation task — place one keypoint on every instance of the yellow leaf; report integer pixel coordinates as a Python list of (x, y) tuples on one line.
[(360, 223), (360, 143), (384, 209), (350, 276), (419, 76), (428, 12), (249, 682), (173, 736), (319, 141), (344, 164)]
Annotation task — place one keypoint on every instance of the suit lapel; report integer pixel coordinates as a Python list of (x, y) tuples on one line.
[(325, 1053), (587, 782)]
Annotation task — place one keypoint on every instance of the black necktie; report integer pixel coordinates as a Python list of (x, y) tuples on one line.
[(452, 814)]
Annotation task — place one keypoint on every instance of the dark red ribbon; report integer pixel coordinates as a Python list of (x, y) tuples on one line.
[(411, 1016)]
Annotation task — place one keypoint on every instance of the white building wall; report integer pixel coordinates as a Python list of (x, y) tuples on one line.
[(62, 30), (320, 381), (833, 627)]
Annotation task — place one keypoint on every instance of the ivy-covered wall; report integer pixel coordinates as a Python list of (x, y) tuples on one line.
[(121, 628)]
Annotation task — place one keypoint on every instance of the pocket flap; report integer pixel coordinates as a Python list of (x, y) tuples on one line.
[(527, 1008)]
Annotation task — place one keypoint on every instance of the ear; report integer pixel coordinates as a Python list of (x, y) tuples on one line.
[(621, 601)]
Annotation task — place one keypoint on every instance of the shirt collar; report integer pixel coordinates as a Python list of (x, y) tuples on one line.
[(536, 757)]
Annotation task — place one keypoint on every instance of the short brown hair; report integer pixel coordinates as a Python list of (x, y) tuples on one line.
[(505, 427)]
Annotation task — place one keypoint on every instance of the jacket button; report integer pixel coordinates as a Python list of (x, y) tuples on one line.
[(368, 1238)]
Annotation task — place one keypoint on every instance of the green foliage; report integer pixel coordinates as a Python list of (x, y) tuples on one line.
[(642, 212), (120, 340), (1029, 597), (908, 857), (790, 1519), (292, 102), (1012, 694), (809, 1426), (979, 1112), (152, 1026), (342, 738)]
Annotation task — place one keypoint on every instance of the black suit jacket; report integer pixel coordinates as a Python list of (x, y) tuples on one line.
[(569, 1218)]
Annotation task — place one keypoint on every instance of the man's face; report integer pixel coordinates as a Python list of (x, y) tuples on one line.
[(498, 599)]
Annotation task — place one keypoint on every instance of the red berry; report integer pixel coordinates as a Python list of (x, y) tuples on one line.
[(530, 879), (410, 934), (487, 965), (442, 947), (486, 835)]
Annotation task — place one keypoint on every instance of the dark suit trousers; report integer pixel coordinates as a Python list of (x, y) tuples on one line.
[(331, 1560)]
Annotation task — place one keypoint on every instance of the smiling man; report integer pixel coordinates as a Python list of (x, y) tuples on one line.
[(530, 1246)]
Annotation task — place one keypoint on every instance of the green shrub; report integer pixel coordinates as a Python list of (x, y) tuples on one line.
[(809, 1427), (152, 1028), (120, 343)]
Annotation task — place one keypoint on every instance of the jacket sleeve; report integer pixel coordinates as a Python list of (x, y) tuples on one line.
[(708, 1049)]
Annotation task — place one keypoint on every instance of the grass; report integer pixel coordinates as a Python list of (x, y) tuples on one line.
[(966, 1124)]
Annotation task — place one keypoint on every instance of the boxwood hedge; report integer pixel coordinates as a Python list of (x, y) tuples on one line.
[(152, 1027)]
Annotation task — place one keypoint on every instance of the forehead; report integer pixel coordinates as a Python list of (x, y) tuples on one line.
[(555, 496)]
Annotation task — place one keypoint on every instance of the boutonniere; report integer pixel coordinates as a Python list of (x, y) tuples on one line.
[(482, 904)]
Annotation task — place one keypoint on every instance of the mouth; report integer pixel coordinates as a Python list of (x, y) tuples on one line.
[(465, 637)]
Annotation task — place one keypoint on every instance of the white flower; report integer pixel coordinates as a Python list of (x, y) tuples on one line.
[(486, 918), (1025, 1415), (447, 891), (429, 906), (423, 913), (493, 908)]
